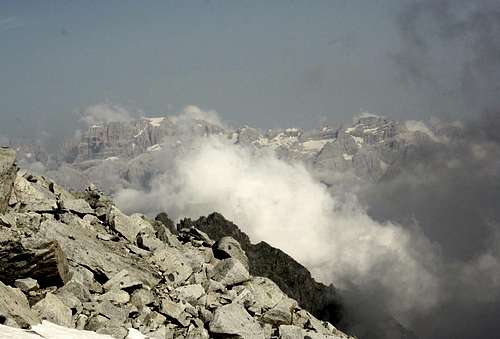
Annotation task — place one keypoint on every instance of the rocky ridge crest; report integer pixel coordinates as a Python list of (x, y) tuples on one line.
[(115, 274)]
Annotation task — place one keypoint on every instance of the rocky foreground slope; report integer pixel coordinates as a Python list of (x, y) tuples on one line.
[(77, 261)]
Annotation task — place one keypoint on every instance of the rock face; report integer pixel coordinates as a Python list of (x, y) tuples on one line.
[(129, 139), (121, 285), (7, 176), (128, 154), (267, 261)]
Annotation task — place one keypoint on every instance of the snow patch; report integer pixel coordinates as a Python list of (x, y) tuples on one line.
[(156, 122), (154, 148), (347, 157), (370, 130), (141, 132), (315, 145), (49, 330), (359, 141)]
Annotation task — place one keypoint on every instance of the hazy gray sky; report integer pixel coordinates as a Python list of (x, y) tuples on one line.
[(263, 63)]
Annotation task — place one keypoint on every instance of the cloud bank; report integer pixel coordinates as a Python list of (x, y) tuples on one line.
[(104, 113), (284, 205)]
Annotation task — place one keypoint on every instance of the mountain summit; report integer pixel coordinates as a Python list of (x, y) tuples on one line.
[(75, 260)]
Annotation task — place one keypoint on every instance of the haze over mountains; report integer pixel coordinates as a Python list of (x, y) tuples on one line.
[(388, 209), (398, 210)]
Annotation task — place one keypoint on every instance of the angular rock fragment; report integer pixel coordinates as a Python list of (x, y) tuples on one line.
[(79, 206), (75, 288), (230, 272), (174, 311), (228, 247), (127, 226), (122, 280), (149, 242), (118, 332), (51, 308), (280, 314), (197, 333), (174, 265), (154, 320), (141, 298), (32, 197), (47, 263), (26, 284), (116, 314), (115, 296), (15, 309), (96, 256), (190, 293), (291, 332), (233, 320)]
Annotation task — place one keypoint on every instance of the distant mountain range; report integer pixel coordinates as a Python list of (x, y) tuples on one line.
[(373, 148)]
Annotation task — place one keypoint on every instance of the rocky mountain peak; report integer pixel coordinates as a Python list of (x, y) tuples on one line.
[(127, 276)]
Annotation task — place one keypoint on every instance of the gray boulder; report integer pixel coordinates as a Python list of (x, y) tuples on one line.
[(79, 206), (228, 247), (15, 309), (173, 264), (52, 308), (175, 311), (26, 284), (230, 272), (128, 227), (32, 195), (234, 320), (122, 280)]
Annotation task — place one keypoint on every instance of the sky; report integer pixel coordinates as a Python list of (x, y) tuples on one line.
[(262, 63)]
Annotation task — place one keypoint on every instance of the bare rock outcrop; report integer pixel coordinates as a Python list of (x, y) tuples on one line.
[(127, 276), (7, 175)]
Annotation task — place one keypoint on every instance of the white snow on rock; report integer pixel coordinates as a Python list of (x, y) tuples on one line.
[(156, 122), (347, 157), (141, 132), (359, 141), (48, 330), (315, 145), (154, 148)]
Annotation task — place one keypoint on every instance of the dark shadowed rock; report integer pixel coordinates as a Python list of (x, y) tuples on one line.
[(163, 219), (8, 171), (228, 247)]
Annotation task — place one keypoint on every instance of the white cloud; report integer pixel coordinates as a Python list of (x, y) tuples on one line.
[(104, 113), (284, 205), (191, 112)]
